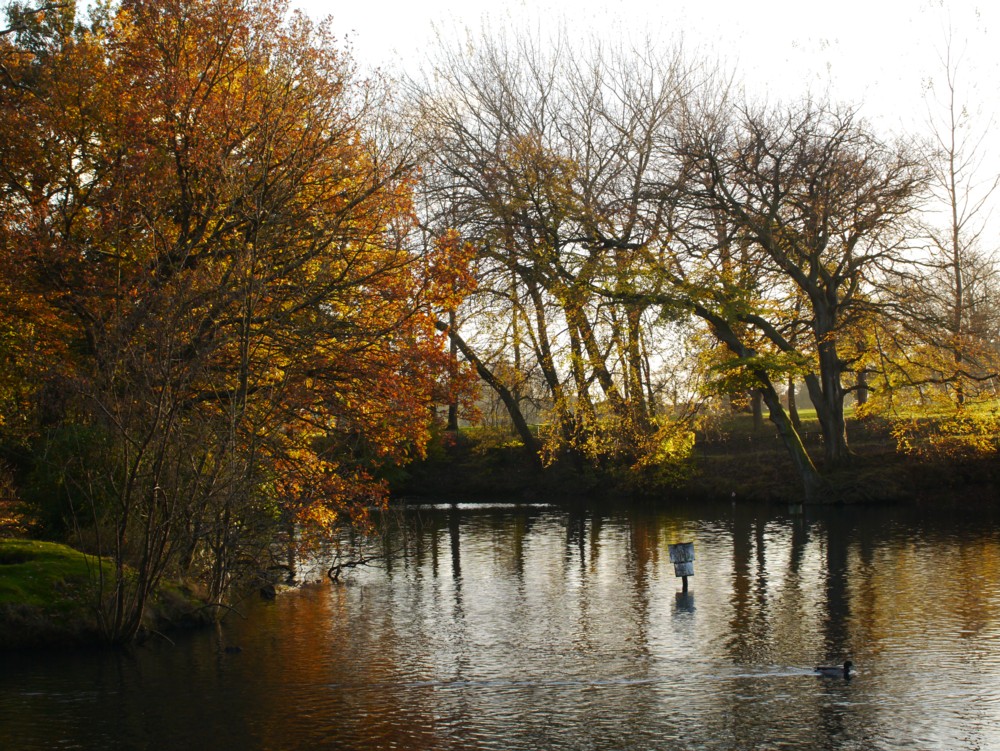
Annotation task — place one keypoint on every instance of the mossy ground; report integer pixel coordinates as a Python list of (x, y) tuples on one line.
[(49, 594)]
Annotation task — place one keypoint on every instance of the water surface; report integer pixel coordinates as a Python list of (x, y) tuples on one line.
[(540, 627)]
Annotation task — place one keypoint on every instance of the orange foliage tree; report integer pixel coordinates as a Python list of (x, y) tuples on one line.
[(197, 203)]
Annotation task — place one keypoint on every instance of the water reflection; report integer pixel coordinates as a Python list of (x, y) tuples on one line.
[(512, 627)]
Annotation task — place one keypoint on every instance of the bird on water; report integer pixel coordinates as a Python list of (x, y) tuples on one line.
[(835, 671)]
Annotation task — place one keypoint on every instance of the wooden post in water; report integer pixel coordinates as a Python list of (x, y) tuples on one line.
[(682, 556)]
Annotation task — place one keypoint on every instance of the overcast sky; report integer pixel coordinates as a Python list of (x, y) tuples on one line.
[(878, 52), (880, 55)]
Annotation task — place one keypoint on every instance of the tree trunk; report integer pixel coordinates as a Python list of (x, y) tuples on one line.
[(528, 438), (862, 391), (756, 397), (810, 478), (585, 411), (641, 409), (804, 467), (452, 423), (576, 317), (543, 352), (827, 392), (793, 407), (828, 398)]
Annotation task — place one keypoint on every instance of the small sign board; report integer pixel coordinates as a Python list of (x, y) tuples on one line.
[(682, 556)]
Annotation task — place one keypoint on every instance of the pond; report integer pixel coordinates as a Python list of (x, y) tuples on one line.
[(509, 627)]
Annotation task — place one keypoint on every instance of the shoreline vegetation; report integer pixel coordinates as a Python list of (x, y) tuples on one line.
[(732, 461), (49, 593)]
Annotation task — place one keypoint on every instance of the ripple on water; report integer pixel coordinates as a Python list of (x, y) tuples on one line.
[(512, 628)]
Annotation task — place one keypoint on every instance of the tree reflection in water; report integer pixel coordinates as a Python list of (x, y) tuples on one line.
[(525, 627)]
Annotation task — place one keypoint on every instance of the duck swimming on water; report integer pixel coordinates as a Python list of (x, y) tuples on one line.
[(836, 671)]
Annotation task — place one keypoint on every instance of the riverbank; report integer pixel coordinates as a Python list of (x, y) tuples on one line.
[(736, 461), (48, 597)]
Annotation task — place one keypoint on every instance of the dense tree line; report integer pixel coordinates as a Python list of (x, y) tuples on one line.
[(623, 198), (236, 281)]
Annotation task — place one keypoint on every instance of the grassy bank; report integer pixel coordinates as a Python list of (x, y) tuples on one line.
[(49, 596), (753, 464), (732, 459)]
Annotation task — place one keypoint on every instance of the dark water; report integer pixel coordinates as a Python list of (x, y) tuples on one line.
[(506, 627)]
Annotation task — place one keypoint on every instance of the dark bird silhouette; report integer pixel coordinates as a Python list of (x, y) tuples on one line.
[(835, 671)]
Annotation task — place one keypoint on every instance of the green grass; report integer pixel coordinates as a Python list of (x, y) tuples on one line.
[(46, 574), (49, 596)]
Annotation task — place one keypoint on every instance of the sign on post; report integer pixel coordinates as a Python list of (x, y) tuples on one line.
[(682, 556)]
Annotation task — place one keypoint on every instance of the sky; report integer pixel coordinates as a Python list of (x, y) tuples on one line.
[(882, 56), (876, 53)]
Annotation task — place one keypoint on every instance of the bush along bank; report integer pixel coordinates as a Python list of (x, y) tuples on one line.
[(737, 462)]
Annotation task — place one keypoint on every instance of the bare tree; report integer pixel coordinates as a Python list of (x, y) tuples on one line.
[(960, 291), (543, 154)]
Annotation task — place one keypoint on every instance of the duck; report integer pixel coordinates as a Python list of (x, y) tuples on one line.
[(835, 671)]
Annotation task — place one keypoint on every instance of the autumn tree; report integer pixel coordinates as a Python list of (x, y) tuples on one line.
[(539, 155), (609, 193), (827, 203), (206, 205)]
